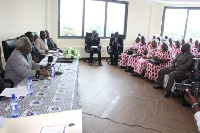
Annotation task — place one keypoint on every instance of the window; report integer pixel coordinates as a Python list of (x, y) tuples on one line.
[(95, 16), (181, 23), (71, 18), (193, 26), (175, 20), (115, 19), (76, 17)]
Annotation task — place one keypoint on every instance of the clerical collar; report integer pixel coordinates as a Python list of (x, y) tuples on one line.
[(25, 56)]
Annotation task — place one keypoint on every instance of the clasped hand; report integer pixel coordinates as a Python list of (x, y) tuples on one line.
[(172, 68)]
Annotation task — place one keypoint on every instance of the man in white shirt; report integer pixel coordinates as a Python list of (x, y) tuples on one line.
[(195, 106), (41, 43), (20, 64)]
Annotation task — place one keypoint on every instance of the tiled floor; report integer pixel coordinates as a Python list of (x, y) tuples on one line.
[(109, 92)]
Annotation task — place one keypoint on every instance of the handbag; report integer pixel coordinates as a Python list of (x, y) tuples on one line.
[(129, 52), (155, 62)]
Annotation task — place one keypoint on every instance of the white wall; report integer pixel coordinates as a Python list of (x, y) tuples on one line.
[(20, 16)]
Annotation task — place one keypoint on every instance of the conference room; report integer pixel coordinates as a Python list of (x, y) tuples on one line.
[(99, 66)]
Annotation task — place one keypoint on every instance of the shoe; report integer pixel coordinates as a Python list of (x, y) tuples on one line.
[(100, 64), (128, 69), (116, 64), (90, 64), (167, 93), (134, 74), (158, 87), (122, 67)]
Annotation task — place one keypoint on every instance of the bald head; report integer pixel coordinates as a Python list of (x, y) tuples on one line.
[(116, 34), (185, 48), (94, 32)]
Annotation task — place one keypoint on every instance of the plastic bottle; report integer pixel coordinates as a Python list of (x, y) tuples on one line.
[(52, 71), (57, 52), (14, 107), (30, 86)]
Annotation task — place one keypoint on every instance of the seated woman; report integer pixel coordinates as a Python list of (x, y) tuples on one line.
[(20, 63), (164, 57), (142, 49), (171, 43), (141, 63), (160, 42), (176, 49), (194, 45), (125, 55), (150, 43), (196, 49)]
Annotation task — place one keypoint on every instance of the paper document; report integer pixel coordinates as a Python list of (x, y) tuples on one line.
[(52, 51), (19, 91), (94, 47), (54, 129), (2, 121)]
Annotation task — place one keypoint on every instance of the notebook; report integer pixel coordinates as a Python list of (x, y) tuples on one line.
[(64, 60)]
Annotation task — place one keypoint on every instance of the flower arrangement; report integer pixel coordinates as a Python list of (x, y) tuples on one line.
[(71, 53)]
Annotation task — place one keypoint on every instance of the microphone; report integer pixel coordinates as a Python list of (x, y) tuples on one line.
[(50, 59)]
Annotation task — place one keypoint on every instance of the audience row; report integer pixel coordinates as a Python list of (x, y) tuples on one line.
[(150, 59)]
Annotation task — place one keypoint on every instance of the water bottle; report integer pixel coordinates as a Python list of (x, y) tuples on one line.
[(57, 52), (52, 71), (14, 107), (30, 86)]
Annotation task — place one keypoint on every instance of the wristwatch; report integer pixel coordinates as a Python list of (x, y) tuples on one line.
[(193, 105)]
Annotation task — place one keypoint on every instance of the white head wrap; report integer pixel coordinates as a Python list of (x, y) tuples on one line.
[(139, 37), (156, 41), (165, 41), (143, 36), (179, 41), (159, 37)]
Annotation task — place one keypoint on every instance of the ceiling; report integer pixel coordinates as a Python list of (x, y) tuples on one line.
[(174, 1)]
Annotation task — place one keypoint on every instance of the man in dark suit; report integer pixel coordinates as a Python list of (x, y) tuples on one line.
[(178, 70), (37, 57), (116, 47), (51, 44), (94, 47)]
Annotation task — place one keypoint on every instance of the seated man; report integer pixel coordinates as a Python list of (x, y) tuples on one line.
[(94, 47), (20, 64), (4, 83), (51, 44), (178, 70), (116, 47), (41, 43), (37, 57)]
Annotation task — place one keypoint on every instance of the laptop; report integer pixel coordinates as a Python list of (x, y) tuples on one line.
[(64, 60)]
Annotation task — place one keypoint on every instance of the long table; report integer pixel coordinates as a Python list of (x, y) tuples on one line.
[(59, 94)]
